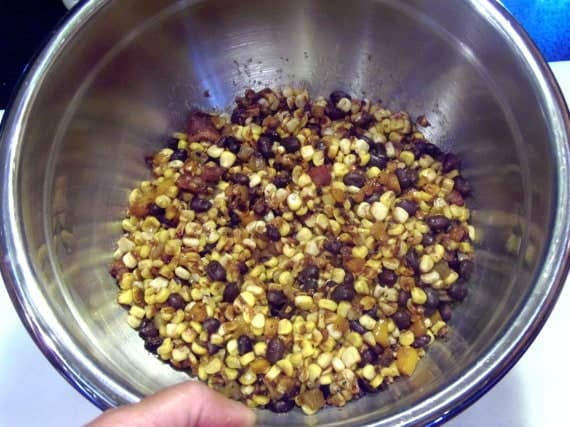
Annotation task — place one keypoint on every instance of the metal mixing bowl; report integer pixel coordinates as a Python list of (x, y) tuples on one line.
[(119, 75)]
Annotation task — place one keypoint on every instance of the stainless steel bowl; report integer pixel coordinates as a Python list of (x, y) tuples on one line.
[(119, 75)]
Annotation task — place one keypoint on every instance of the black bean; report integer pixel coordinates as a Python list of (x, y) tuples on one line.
[(406, 177), (438, 222), (333, 112), (292, 392), (450, 162), (379, 161), (152, 343), (355, 179), (387, 277), (272, 233), (368, 356), (242, 267), (343, 292), (211, 325), (265, 147), (457, 291), (337, 95), (466, 268), (402, 319), (387, 357), (372, 198), (275, 350), (432, 298), (364, 120), (462, 185), (365, 386), (235, 219), (208, 248), (428, 239), (309, 284), (282, 179), (418, 148), (291, 144), (260, 207), (281, 406), (154, 210), (216, 271), (239, 116), (357, 327), (373, 312), (176, 301), (333, 246), (432, 150), (421, 342), (330, 284), (231, 143), (212, 348), (147, 329), (445, 311), (199, 204), (311, 271), (245, 344), (409, 206), (285, 312), (273, 135), (276, 298), (376, 148), (413, 260), (348, 278), (403, 297), (181, 155), (239, 178), (326, 390)]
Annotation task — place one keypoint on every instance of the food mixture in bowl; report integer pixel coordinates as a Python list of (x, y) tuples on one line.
[(298, 252)]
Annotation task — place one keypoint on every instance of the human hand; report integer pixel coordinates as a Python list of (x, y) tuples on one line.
[(189, 404)]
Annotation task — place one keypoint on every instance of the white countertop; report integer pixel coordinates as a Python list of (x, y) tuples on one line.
[(532, 394)]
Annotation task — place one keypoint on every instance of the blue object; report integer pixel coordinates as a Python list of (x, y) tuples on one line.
[(547, 22)]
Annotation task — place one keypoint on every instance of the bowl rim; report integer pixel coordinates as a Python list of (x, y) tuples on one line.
[(86, 377)]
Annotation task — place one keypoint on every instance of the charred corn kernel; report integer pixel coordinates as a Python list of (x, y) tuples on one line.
[(214, 366), (304, 302), (296, 359), (426, 264), (248, 298), (315, 372), (284, 327), (451, 278), (377, 381), (260, 348), (248, 378), (418, 296), (436, 327), (286, 367), (350, 357), (198, 349), (368, 372), (360, 252), (133, 322), (337, 275), (247, 358), (258, 321), (129, 260), (260, 400), (406, 338), (230, 374), (304, 235), (273, 373), (337, 364), (400, 215), (343, 308), (294, 201), (324, 360), (430, 278), (328, 304), (367, 322), (125, 297), (233, 362)]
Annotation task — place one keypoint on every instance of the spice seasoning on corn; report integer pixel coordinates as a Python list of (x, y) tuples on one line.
[(299, 252)]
